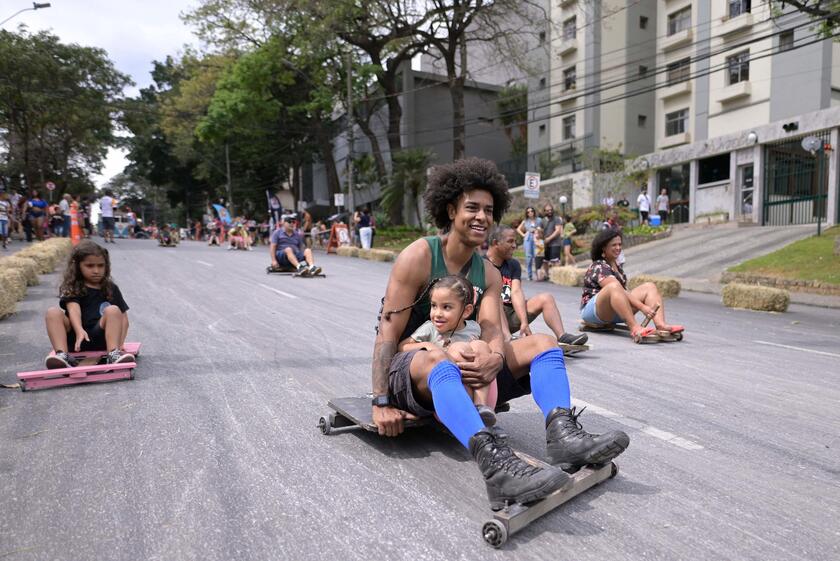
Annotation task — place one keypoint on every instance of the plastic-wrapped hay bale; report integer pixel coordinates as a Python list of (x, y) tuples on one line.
[(27, 266), (754, 297), (347, 251), (13, 282), (566, 276), (668, 287)]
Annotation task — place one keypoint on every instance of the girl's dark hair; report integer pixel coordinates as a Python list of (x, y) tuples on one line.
[(532, 209), (73, 283), (458, 283), (601, 240), (447, 182)]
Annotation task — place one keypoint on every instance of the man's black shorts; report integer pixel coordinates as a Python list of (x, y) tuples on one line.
[(108, 223), (553, 252)]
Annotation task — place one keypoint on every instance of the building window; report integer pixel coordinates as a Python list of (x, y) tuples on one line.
[(714, 169), (542, 38), (679, 20), (738, 67), (642, 71), (542, 83), (676, 122), (568, 127), (642, 121), (570, 78), (738, 7), (570, 28), (643, 20), (542, 130), (786, 40), (679, 71)]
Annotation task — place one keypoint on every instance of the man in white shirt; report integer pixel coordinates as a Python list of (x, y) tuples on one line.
[(644, 205), (64, 205), (663, 205), (106, 208)]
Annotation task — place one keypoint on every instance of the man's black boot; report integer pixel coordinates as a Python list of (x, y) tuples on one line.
[(570, 447), (510, 479)]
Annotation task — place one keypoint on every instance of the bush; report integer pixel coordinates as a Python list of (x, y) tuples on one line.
[(752, 297), (645, 230), (591, 217)]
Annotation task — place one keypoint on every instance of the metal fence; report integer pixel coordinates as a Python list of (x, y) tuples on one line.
[(795, 184)]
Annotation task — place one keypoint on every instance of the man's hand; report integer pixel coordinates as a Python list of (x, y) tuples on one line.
[(275, 264), (81, 336), (525, 331), (480, 368), (389, 420)]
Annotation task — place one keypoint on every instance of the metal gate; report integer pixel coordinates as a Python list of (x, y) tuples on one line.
[(795, 183)]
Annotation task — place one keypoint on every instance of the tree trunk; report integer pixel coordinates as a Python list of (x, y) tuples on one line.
[(456, 91), (325, 147), (381, 170)]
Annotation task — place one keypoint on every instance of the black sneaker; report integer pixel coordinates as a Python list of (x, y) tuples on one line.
[(574, 339), (570, 447), (117, 356), (302, 270), (60, 360), (509, 478), (314, 270)]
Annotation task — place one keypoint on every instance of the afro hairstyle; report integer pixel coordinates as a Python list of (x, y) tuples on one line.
[(447, 182)]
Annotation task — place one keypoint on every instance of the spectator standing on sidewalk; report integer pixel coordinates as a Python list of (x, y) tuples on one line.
[(643, 203), (553, 231), (663, 205)]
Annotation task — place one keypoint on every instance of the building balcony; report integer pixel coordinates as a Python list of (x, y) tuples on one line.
[(731, 26), (675, 139), (567, 46), (733, 92), (565, 3), (680, 88), (677, 40)]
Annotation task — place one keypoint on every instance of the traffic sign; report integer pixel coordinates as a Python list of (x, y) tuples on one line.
[(49, 185), (339, 199), (532, 185)]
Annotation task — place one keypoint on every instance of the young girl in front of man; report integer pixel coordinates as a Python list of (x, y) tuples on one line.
[(449, 328), (92, 314)]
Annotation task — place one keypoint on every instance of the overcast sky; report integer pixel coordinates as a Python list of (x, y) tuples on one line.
[(133, 32)]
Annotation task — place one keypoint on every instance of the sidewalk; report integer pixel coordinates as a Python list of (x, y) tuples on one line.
[(709, 286)]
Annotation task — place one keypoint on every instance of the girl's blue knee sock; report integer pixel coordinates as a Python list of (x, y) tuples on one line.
[(549, 383), (453, 406)]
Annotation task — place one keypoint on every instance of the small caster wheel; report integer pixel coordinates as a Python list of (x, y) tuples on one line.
[(614, 470), (494, 533), (678, 336), (131, 374), (324, 425), (22, 385)]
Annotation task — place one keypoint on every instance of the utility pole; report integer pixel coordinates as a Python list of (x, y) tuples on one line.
[(229, 191), (351, 203)]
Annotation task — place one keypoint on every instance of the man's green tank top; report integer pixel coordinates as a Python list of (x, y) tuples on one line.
[(473, 270)]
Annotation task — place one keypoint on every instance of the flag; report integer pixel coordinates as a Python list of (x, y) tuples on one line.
[(223, 213)]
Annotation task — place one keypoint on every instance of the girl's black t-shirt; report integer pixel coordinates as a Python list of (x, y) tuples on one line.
[(93, 304)]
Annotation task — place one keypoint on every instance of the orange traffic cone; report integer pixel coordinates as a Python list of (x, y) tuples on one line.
[(75, 230)]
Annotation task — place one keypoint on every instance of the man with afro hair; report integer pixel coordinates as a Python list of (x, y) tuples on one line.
[(465, 198)]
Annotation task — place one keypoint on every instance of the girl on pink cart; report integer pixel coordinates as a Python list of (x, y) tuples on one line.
[(92, 314)]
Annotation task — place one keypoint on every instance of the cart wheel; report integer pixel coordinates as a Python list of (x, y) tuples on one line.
[(131, 374), (324, 425), (614, 470), (495, 533), (678, 336), (22, 385)]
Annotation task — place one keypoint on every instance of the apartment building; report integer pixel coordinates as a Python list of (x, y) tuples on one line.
[(594, 81), (738, 88)]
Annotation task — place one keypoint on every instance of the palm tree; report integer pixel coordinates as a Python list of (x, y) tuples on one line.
[(408, 177)]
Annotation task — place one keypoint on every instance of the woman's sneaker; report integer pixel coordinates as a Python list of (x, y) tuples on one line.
[(60, 360), (117, 356)]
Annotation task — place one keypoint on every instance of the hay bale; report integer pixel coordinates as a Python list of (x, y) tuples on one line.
[(668, 287), (752, 297), (347, 251), (45, 257), (13, 283), (27, 266), (382, 255), (566, 276)]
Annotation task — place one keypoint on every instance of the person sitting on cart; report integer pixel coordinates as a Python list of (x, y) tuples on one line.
[(465, 198), (519, 311), (606, 300), (288, 249)]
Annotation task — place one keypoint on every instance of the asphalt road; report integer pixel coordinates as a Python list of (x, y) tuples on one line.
[(212, 452)]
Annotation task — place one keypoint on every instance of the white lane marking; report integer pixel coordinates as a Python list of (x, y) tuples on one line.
[(796, 348), (666, 436), (205, 263), (280, 292)]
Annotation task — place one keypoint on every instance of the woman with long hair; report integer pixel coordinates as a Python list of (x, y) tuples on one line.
[(527, 228)]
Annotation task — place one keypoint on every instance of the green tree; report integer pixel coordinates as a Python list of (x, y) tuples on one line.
[(58, 110), (408, 179)]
